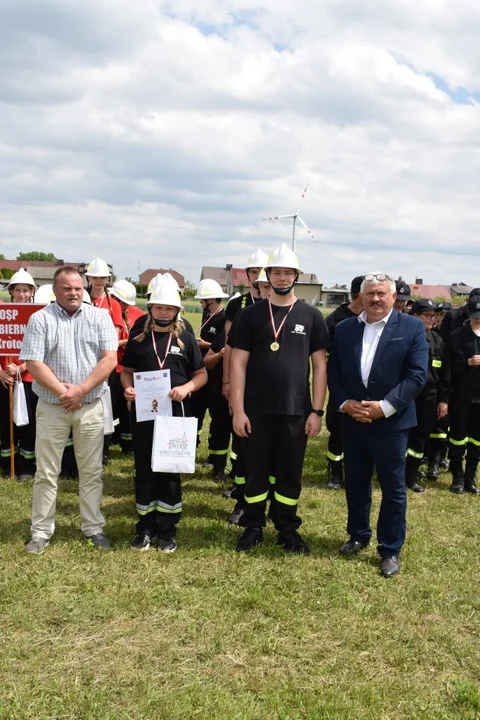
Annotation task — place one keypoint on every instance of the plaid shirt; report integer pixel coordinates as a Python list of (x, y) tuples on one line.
[(71, 346)]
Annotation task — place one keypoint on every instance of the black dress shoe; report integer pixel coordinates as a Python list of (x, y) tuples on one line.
[(352, 547), (390, 566), (249, 539)]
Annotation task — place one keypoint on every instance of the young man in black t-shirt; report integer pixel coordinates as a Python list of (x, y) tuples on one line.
[(274, 343)]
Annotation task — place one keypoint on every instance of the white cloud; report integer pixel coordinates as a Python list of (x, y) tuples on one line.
[(156, 133)]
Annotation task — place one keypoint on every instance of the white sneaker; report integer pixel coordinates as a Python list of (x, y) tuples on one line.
[(36, 545)]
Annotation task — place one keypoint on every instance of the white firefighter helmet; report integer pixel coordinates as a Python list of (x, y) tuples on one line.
[(283, 257), (235, 295), (257, 259), (263, 277), (209, 289), (159, 280), (21, 277), (124, 291), (44, 295), (98, 268), (167, 277), (165, 294), (86, 297)]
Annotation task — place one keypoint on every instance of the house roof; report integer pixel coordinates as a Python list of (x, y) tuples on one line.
[(221, 275), (29, 264), (460, 289), (429, 292), (149, 274), (239, 277)]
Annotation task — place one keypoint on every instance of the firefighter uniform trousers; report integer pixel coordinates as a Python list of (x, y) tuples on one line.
[(199, 408), (418, 437), (220, 428), (464, 435), (158, 495), (276, 442), (335, 443), (24, 437)]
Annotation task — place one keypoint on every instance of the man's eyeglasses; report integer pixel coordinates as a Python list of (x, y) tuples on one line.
[(430, 316), (378, 277)]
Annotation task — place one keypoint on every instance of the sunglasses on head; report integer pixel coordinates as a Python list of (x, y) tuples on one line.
[(379, 277)]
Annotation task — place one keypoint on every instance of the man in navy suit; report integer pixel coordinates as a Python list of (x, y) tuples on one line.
[(376, 368)]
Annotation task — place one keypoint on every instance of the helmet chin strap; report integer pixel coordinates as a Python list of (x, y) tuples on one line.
[(163, 323), (283, 291)]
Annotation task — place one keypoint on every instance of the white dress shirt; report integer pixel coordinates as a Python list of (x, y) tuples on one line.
[(371, 337)]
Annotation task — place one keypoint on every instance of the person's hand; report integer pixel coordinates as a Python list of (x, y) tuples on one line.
[(5, 378), (130, 394), (442, 410), (374, 409), (226, 391), (241, 424), (72, 397), (179, 393), (222, 352), (11, 370), (313, 425), (203, 343), (357, 411), (474, 360)]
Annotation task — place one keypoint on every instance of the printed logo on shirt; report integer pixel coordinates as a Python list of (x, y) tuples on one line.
[(174, 350), (213, 330), (299, 330)]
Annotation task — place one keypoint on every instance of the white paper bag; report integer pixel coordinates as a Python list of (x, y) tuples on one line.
[(108, 423), (174, 444), (20, 409)]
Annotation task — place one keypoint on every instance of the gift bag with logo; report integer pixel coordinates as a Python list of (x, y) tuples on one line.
[(20, 409), (174, 444)]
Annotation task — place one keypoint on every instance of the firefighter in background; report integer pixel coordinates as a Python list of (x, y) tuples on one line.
[(403, 296), (156, 282), (333, 418), (161, 343), (456, 317), (98, 278), (210, 295), (275, 341), (254, 266), (126, 293), (431, 404), (464, 408), (21, 289)]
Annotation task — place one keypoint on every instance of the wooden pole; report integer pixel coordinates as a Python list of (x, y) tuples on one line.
[(12, 430)]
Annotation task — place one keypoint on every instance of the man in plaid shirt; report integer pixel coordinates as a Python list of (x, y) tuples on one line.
[(70, 349)]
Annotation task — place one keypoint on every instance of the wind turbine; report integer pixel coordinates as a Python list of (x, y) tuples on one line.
[(295, 217)]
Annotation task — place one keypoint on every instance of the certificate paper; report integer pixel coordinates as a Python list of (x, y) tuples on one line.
[(152, 390)]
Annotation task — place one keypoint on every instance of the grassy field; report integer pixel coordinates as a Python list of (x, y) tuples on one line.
[(207, 633)]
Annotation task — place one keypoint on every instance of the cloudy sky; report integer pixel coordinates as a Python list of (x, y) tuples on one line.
[(161, 133)]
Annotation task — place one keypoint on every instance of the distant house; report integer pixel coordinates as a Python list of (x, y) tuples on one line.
[(149, 274), (233, 280), (460, 290), (430, 292), (42, 271), (335, 295)]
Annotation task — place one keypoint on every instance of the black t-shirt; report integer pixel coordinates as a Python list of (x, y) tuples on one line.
[(212, 327), (182, 362), (239, 303), (342, 312), (277, 383), (215, 376), (233, 332)]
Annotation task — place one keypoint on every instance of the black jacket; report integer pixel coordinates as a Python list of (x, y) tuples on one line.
[(453, 320), (463, 344), (438, 384), (342, 312)]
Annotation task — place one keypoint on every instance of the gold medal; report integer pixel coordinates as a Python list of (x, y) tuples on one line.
[(275, 346)]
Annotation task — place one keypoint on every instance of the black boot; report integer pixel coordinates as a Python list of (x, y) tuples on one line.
[(411, 474), (444, 464), (433, 470), (470, 477), (335, 474), (458, 478)]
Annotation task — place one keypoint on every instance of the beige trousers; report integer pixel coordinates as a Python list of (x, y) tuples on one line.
[(53, 429)]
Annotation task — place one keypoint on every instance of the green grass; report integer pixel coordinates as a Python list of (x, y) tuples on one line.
[(206, 633)]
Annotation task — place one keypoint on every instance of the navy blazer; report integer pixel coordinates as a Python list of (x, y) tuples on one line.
[(399, 368)]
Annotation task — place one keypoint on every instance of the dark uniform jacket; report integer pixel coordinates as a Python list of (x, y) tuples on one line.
[(342, 312), (453, 320), (438, 384), (463, 344)]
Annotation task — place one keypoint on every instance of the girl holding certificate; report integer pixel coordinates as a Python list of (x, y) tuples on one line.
[(160, 344)]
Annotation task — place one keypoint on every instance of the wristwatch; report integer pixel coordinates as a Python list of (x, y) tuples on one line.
[(320, 413)]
